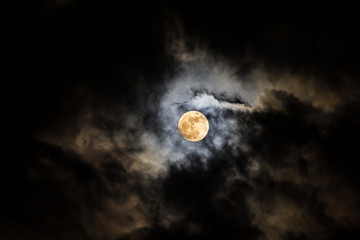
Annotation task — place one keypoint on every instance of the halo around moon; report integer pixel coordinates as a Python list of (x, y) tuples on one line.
[(193, 126)]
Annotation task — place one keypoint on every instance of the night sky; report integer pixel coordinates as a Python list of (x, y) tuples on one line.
[(93, 91)]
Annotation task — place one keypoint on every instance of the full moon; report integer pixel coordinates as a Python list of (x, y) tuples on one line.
[(193, 126)]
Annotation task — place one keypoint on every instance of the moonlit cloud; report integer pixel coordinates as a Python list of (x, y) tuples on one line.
[(240, 118), (101, 156)]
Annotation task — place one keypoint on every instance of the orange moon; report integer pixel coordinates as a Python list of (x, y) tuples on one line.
[(193, 126)]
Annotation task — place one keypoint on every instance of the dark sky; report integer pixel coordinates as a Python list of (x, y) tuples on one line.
[(92, 93)]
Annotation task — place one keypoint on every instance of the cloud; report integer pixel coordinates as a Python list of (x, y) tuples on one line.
[(279, 161), (263, 171)]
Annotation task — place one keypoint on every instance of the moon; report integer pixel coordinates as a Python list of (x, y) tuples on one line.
[(193, 126)]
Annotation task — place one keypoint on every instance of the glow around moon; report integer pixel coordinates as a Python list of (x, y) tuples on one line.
[(193, 126)]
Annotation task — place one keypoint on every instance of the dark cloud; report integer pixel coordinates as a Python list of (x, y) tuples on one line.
[(91, 147), (304, 151), (45, 191)]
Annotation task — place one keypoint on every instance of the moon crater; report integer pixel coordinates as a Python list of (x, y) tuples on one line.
[(193, 126)]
